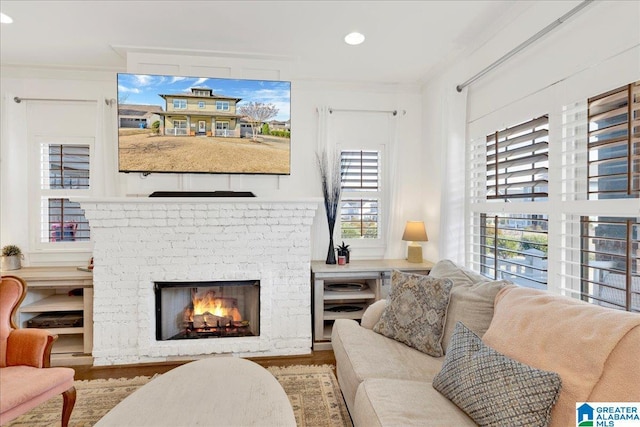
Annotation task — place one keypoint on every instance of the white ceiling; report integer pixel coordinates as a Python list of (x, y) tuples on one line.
[(405, 40)]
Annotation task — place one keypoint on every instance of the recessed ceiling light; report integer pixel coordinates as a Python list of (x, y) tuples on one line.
[(5, 19), (354, 38)]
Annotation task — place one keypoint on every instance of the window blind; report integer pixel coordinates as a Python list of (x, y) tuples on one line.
[(359, 207), (514, 247), (65, 171), (517, 162), (360, 170), (614, 143)]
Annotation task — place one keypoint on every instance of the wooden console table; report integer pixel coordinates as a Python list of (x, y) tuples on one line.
[(374, 276), (49, 291)]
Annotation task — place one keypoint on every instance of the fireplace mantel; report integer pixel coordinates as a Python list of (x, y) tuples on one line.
[(141, 240), (172, 200)]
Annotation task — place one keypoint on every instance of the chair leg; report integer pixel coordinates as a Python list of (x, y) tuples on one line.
[(68, 402)]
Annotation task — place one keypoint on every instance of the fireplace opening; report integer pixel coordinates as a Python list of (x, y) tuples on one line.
[(216, 309)]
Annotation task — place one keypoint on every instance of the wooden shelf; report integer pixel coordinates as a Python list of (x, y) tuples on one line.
[(58, 302), (350, 295), (333, 315), (369, 272), (68, 344), (48, 292), (65, 331)]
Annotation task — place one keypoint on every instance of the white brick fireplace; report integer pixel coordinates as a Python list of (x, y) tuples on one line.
[(139, 241)]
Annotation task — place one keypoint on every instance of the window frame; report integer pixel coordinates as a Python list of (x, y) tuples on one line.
[(39, 222), (368, 244), (178, 104), (481, 204), (222, 106)]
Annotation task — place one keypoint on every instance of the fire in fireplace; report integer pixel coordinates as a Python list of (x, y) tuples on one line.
[(218, 309)]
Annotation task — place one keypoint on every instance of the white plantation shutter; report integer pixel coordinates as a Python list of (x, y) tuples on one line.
[(64, 173), (360, 170), (517, 161), (510, 165), (600, 229), (360, 202), (614, 143), (574, 155)]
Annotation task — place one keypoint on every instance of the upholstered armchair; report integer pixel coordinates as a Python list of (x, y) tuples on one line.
[(26, 378)]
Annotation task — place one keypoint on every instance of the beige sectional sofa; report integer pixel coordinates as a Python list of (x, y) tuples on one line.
[(593, 350)]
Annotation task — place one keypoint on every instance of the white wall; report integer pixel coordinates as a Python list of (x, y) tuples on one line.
[(596, 50), (15, 193)]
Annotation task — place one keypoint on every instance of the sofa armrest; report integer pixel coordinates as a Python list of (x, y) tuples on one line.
[(31, 347), (372, 314)]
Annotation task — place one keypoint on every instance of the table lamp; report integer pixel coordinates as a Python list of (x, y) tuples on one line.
[(415, 232)]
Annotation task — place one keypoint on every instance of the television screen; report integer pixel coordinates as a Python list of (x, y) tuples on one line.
[(176, 124)]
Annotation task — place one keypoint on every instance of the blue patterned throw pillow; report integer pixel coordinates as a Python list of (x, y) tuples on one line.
[(415, 311), (493, 389)]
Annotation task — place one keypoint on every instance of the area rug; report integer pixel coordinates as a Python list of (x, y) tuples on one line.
[(313, 392)]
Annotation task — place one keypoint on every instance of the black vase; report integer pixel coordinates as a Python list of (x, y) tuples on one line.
[(331, 254)]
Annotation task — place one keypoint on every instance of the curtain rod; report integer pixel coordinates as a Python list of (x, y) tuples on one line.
[(526, 43), (338, 110), (18, 100)]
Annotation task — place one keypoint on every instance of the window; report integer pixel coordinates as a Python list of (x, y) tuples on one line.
[(521, 244), (610, 261), (517, 162), (201, 104), (359, 206), (65, 172), (222, 105), (609, 246), (614, 144), (179, 104), (512, 164)]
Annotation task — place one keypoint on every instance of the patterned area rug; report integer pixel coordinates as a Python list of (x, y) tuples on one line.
[(313, 392)]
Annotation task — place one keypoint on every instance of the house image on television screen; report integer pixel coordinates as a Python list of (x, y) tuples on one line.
[(178, 124), (212, 115)]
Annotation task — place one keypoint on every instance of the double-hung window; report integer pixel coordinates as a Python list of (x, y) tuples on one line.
[(222, 105), (602, 163), (360, 202), (509, 231), (179, 104), (64, 173)]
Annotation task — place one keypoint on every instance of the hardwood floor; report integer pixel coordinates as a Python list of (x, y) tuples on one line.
[(325, 357)]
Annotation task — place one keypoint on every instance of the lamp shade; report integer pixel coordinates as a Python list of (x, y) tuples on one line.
[(415, 231)]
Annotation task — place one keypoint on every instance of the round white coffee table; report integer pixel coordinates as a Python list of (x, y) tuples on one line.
[(220, 391)]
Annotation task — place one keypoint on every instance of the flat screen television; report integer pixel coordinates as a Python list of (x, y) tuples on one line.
[(178, 124)]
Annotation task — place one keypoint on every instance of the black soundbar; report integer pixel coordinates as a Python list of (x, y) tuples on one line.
[(202, 194)]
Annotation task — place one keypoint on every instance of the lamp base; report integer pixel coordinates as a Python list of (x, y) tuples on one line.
[(414, 253)]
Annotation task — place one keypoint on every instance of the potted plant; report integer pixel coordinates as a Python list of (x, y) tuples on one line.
[(343, 250), (11, 257)]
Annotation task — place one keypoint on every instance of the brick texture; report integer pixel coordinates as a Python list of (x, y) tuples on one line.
[(138, 243)]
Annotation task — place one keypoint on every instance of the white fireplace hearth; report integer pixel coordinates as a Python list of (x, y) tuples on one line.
[(139, 241)]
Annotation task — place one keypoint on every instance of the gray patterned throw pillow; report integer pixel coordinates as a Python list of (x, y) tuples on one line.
[(415, 311), (493, 389)]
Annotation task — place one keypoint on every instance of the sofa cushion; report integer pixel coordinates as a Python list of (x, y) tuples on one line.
[(393, 402), (372, 314), (415, 311), (361, 353), (493, 389), (552, 333), (472, 298)]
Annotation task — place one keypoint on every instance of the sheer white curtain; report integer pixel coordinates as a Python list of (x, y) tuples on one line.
[(453, 175)]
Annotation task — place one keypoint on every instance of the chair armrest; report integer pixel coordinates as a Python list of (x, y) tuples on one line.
[(31, 347), (372, 314)]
